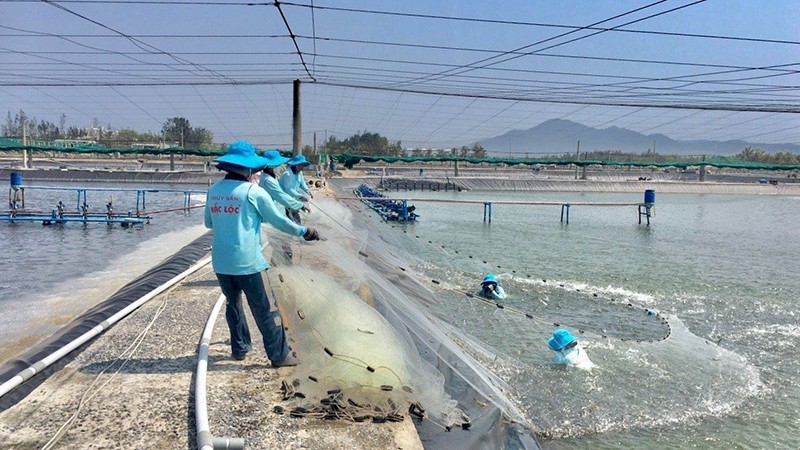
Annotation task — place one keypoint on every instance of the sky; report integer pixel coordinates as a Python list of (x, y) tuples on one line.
[(428, 73)]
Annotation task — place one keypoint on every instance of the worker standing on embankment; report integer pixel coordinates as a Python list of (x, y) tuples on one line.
[(235, 208)]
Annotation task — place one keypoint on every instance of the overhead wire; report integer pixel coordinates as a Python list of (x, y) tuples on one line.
[(794, 109), (767, 98), (313, 37), (440, 47), (135, 104), (542, 24), (426, 16), (294, 40), (137, 42), (472, 66), (43, 34), (211, 110)]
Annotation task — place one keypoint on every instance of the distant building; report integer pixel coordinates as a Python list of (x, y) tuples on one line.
[(73, 143), (149, 146)]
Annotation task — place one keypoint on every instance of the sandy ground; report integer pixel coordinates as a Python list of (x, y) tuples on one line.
[(146, 399)]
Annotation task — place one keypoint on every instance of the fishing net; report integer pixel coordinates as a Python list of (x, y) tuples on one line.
[(652, 370), (367, 368), (372, 344), (483, 364)]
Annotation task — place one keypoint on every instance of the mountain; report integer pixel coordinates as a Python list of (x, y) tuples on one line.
[(559, 136)]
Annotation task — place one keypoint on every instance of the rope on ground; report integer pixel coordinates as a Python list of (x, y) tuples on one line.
[(130, 350)]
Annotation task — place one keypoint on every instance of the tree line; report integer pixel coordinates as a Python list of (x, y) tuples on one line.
[(749, 154), (178, 132), (175, 132), (373, 144)]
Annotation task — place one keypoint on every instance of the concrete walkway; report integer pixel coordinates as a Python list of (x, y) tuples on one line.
[(145, 399)]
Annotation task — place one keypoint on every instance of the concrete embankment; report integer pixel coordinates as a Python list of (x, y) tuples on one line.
[(535, 185), (111, 176), (133, 387)]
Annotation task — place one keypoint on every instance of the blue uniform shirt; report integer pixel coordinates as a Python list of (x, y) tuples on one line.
[(273, 188), (235, 210), (290, 183), (302, 181), (574, 357), (497, 294)]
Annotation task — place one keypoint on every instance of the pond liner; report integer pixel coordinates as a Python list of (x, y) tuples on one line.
[(139, 287)]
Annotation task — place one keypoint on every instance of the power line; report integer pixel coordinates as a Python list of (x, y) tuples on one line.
[(151, 2), (472, 66), (73, 63), (135, 104), (408, 45), (136, 42), (299, 53), (516, 51), (545, 25), (314, 37), (753, 88), (424, 16), (793, 109), (516, 91), (674, 90), (44, 34), (143, 84)]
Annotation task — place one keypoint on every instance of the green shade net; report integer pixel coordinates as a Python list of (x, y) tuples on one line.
[(12, 145), (350, 160)]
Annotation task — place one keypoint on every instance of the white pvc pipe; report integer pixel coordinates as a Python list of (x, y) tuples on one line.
[(60, 353), (205, 440)]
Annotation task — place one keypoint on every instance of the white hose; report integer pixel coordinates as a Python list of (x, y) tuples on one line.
[(204, 437), (45, 362), (205, 440)]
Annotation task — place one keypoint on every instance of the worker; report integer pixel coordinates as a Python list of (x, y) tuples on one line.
[(235, 209), (292, 180), (568, 351), (270, 184), (491, 289)]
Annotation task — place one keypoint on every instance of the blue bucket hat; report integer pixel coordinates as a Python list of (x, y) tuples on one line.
[(243, 154), (275, 158), (489, 279), (299, 160), (561, 338)]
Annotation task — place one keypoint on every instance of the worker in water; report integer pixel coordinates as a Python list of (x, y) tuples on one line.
[(491, 289), (568, 351), (235, 209), (270, 184), (292, 180)]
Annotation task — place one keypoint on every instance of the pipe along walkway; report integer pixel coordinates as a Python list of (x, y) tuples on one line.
[(59, 215), (644, 209)]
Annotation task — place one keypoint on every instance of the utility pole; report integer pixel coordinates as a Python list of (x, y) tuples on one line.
[(297, 140), (578, 157), (24, 143), (703, 170)]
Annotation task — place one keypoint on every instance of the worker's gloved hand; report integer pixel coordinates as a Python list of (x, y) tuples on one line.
[(311, 235), (303, 199), (306, 209)]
